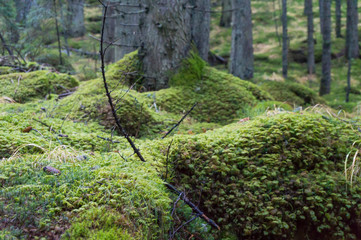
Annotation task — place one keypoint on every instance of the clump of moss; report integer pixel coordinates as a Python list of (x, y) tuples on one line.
[(51, 57), (6, 70), (24, 87), (292, 93), (99, 197), (273, 177), (219, 95)]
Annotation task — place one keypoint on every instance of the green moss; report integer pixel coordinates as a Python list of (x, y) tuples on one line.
[(268, 178), (51, 57), (219, 95), (6, 70), (23, 87), (97, 198), (292, 93)]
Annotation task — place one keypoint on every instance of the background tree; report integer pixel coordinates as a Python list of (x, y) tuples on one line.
[(226, 17), (325, 86), (75, 18), (284, 39), (338, 18), (200, 26), (310, 40), (242, 40), (352, 44), (7, 15)]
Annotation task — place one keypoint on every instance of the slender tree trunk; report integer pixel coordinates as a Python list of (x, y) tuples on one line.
[(57, 31), (284, 39), (5, 45), (166, 36), (226, 17), (338, 19), (310, 40), (352, 45), (325, 86), (75, 18), (275, 16), (65, 29), (242, 40), (348, 80), (200, 26)]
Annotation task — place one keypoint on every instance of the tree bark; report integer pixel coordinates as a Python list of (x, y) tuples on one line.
[(338, 19), (75, 18), (352, 45), (284, 39), (226, 17), (200, 25), (166, 37), (310, 40), (57, 31), (325, 86), (109, 34), (242, 40)]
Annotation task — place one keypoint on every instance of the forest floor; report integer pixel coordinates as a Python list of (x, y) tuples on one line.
[(265, 159)]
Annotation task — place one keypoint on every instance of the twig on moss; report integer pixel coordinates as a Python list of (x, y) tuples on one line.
[(180, 121), (107, 139), (193, 206), (102, 52), (181, 226)]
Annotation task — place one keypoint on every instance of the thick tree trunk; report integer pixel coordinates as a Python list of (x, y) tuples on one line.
[(226, 17), (352, 45), (325, 86), (284, 39), (200, 25), (338, 18), (166, 40), (320, 2), (242, 40), (310, 40), (75, 18)]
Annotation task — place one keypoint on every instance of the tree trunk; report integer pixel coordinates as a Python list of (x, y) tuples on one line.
[(310, 40), (320, 2), (352, 45), (109, 35), (325, 86), (200, 25), (284, 39), (166, 37), (57, 31), (22, 10), (242, 40), (226, 17), (5, 45), (338, 18), (75, 18)]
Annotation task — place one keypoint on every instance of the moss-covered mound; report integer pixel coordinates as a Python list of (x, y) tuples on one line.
[(100, 197), (89, 102), (24, 87), (292, 93), (220, 96), (276, 177)]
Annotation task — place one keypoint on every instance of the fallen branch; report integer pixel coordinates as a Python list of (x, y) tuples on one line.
[(180, 121), (193, 206), (107, 139)]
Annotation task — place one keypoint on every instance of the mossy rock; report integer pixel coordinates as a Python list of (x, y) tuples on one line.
[(219, 95), (102, 197), (291, 93), (51, 58), (273, 177), (24, 87)]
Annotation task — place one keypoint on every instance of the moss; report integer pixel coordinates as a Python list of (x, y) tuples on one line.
[(51, 57), (6, 70), (272, 177), (219, 95), (291, 92), (97, 198), (23, 87)]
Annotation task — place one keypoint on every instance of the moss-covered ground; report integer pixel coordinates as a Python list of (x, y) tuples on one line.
[(265, 159)]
